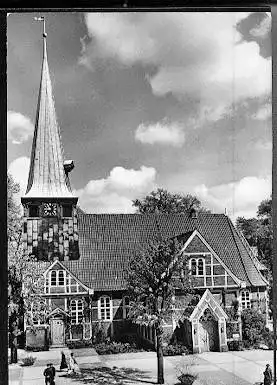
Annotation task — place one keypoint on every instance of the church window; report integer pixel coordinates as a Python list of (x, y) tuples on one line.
[(76, 311), (197, 266), (193, 267), (61, 278), (245, 299), (53, 278), (67, 210), (200, 266), (33, 211), (126, 307), (105, 308)]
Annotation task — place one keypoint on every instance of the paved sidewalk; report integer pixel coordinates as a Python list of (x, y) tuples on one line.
[(230, 368)]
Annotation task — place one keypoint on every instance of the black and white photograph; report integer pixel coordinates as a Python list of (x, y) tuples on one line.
[(139, 186)]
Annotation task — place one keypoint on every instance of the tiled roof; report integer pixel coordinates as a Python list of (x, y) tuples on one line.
[(107, 241), (47, 176)]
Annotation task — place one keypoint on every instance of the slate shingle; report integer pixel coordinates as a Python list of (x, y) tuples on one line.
[(107, 241)]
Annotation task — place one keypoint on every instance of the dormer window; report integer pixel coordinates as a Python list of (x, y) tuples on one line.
[(67, 210), (33, 211)]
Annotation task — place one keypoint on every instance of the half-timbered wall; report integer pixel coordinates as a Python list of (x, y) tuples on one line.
[(214, 274)]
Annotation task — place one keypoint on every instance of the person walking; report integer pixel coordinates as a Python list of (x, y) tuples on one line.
[(49, 374), (73, 366), (63, 364), (268, 375)]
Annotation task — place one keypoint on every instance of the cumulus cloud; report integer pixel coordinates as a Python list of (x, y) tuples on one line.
[(201, 55), (19, 127), (115, 193), (239, 198), (264, 112), (263, 29), (161, 133), (19, 169)]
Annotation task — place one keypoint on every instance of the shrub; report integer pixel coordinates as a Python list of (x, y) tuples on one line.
[(175, 350), (79, 344), (115, 348), (28, 361), (267, 337), (187, 379), (253, 325), (235, 345)]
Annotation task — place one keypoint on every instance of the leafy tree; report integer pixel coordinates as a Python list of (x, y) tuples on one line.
[(153, 278), (24, 281), (249, 228), (258, 231), (15, 306), (162, 201)]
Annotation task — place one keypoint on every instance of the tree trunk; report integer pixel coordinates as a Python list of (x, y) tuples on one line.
[(13, 349), (160, 358)]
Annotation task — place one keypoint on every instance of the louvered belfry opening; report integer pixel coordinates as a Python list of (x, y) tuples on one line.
[(50, 216)]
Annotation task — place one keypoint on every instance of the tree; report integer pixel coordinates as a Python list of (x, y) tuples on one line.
[(162, 201), (15, 306), (154, 274), (258, 231), (249, 228), (21, 297)]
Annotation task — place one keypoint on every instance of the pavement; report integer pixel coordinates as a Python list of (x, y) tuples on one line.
[(230, 368)]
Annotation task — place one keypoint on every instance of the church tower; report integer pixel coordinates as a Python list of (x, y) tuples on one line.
[(50, 213)]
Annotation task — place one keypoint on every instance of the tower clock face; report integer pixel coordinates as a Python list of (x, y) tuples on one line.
[(49, 209)]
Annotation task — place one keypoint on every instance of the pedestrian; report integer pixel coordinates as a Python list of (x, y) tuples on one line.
[(53, 371), (63, 362), (267, 375), (49, 374), (73, 366)]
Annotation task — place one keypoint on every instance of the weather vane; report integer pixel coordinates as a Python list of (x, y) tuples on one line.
[(42, 18)]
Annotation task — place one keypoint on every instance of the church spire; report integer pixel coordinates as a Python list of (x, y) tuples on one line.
[(48, 176)]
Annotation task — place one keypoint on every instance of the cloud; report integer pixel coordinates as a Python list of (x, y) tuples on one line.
[(263, 145), (20, 127), (19, 169), (161, 133), (200, 58), (263, 29), (263, 113), (115, 193), (239, 198)]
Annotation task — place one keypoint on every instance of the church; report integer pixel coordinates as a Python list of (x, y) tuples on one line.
[(82, 257)]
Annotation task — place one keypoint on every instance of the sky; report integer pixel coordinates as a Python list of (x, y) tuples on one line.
[(176, 100)]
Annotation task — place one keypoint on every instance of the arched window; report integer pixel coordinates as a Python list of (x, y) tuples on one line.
[(53, 281), (105, 308), (245, 299), (126, 306), (61, 278), (193, 267), (200, 266), (197, 266), (76, 311)]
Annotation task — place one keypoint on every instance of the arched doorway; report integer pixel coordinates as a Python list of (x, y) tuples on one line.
[(208, 332)]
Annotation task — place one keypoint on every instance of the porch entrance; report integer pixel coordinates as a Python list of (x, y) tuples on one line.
[(208, 333), (57, 332)]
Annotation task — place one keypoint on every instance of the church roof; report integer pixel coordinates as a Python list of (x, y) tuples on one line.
[(47, 176), (108, 241)]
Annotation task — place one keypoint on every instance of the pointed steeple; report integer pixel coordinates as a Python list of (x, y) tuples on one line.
[(48, 175)]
